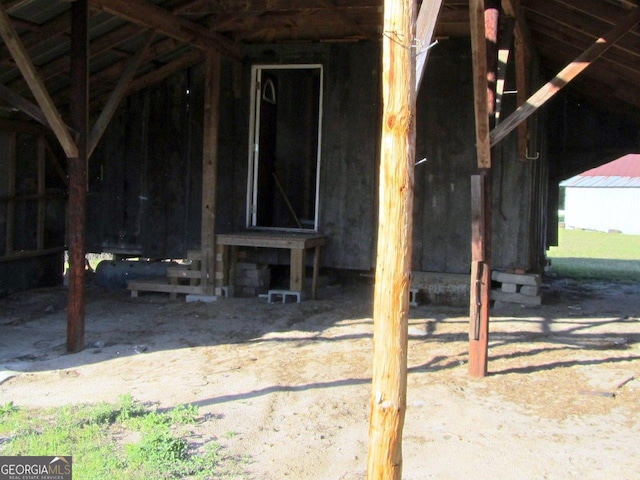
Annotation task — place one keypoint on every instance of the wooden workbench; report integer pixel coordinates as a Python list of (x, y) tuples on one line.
[(297, 243)]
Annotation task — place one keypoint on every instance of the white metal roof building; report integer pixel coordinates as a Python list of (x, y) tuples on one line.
[(606, 198)]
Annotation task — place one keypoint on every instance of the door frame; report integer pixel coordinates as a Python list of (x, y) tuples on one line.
[(254, 141)]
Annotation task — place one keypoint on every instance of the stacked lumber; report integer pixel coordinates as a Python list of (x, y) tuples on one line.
[(180, 279), (521, 288)]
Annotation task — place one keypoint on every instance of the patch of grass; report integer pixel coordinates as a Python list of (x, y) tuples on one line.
[(159, 449), (586, 255)]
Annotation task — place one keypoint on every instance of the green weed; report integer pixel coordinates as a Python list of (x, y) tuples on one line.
[(94, 435)]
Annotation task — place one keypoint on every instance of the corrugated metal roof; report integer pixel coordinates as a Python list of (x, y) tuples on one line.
[(627, 166), (621, 173), (580, 181)]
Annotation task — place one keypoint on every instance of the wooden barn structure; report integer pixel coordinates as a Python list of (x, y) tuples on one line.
[(153, 128)]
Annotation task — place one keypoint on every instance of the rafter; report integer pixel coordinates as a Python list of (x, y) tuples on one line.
[(117, 95), (425, 26), (28, 70), (565, 76), (148, 15)]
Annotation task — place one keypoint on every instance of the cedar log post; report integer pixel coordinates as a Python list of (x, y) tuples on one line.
[(484, 16), (78, 175), (209, 171), (393, 262)]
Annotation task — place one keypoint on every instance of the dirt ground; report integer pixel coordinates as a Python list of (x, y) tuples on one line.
[(288, 386)]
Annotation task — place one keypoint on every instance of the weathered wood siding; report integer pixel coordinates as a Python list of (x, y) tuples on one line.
[(349, 162), (146, 173), (445, 136)]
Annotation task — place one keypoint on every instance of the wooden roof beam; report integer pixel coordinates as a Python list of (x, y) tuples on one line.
[(512, 8), (116, 96), (565, 76), (23, 105), (425, 26), (30, 74), (185, 61), (148, 15)]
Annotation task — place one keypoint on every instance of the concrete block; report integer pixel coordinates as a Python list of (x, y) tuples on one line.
[(509, 288), (526, 279), (413, 297), (515, 298), (201, 298), (283, 295), (530, 290), (225, 291)]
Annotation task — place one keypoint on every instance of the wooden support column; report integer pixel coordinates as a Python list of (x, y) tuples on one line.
[(42, 201), (521, 96), (209, 171), (11, 192), (484, 36), (395, 225), (78, 175)]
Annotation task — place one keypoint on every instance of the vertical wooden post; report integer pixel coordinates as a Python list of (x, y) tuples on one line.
[(393, 263), (11, 192), (484, 40), (78, 175), (521, 87), (42, 202), (209, 171)]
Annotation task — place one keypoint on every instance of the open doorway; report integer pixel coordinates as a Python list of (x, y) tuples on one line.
[(284, 147)]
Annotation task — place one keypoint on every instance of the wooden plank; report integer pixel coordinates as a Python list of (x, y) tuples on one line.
[(180, 272), (484, 42), (296, 274), (272, 239), (21, 255), (118, 93), (504, 50), (78, 176), (161, 285), (42, 201), (395, 230), (11, 191), (209, 170), (425, 26), (54, 161), (146, 14), (477, 223), (480, 83), (23, 105), (565, 76), (316, 269), (512, 9), (182, 63), (30, 74), (521, 95)]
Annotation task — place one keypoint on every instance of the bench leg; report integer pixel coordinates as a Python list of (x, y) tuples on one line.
[(296, 275)]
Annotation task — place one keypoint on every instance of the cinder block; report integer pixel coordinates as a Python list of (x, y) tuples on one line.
[(509, 288), (225, 291), (201, 298), (282, 296), (527, 279), (530, 290), (515, 298), (413, 297)]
